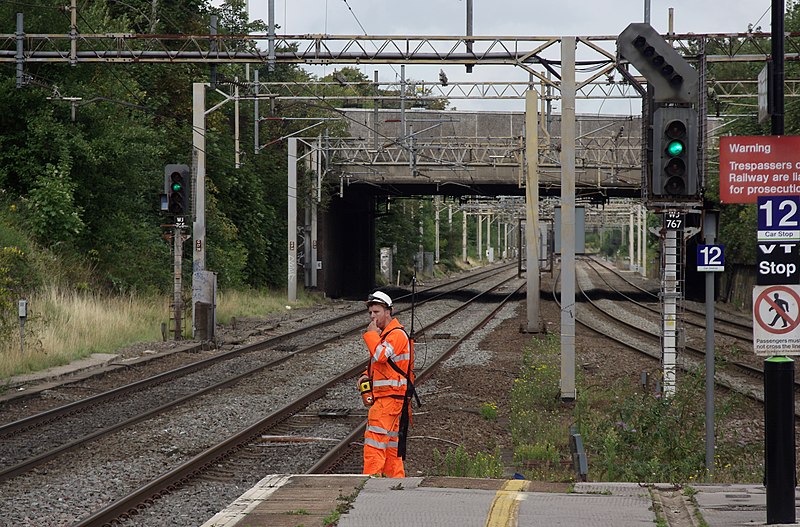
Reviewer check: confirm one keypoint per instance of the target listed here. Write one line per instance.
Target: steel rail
(333, 457)
(28, 464)
(77, 406)
(747, 327)
(748, 370)
(721, 331)
(701, 353)
(128, 506)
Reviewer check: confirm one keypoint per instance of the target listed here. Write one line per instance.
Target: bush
(646, 437)
(489, 411)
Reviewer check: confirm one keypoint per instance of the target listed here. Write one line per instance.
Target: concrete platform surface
(359, 501)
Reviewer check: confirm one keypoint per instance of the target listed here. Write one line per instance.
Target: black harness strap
(405, 417)
(410, 389)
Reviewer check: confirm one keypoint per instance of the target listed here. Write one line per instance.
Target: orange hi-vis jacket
(393, 345)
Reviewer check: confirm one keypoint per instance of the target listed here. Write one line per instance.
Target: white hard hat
(379, 297)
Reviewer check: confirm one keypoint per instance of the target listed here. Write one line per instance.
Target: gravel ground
(483, 372)
(91, 477)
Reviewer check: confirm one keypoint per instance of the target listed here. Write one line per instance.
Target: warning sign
(752, 166)
(776, 319)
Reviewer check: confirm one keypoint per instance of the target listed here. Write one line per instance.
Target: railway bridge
(422, 152)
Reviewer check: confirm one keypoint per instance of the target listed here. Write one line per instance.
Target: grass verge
(66, 325)
(630, 433)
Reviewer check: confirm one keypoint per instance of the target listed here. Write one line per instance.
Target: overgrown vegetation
(82, 156)
(630, 434)
(458, 462)
(88, 189)
(344, 505)
(65, 324)
(538, 420)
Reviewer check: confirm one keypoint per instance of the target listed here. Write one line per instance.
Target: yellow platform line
(505, 506)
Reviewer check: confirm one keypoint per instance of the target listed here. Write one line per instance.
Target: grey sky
(504, 18)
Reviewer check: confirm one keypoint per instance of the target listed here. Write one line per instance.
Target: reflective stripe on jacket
(388, 345)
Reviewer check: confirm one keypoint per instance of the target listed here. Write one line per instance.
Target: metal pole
(498, 253)
(22, 337)
(291, 231)
(532, 210)
(236, 149)
(403, 102)
(644, 238)
(480, 238)
(247, 14)
(271, 33)
(256, 115)
(323, 161)
(631, 260)
(488, 236)
(568, 219)
(671, 21)
(779, 452)
(778, 58)
(213, 49)
(779, 437)
(642, 227)
(710, 232)
(199, 187)
(436, 215)
(670, 317)
(505, 240)
(421, 248)
(469, 32)
(73, 33)
(20, 56)
(647, 11)
(464, 236)
(177, 300)
(375, 116)
(314, 202)
(307, 199)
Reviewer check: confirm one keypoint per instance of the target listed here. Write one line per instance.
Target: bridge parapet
(458, 152)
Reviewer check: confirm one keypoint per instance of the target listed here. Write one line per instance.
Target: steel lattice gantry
(475, 153)
(538, 55)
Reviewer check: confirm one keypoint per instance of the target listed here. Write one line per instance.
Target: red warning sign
(752, 166)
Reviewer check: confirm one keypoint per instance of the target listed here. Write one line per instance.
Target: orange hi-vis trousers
(380, 438)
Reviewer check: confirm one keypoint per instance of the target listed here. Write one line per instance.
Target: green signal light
(176, 187)
(674, 148)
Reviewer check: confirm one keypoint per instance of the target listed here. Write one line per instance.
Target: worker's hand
(364, 378)
(373, 326)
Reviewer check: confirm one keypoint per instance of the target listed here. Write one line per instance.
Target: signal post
(672, 172)
(175, 201)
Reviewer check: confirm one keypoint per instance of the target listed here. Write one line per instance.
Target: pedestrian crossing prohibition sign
(776, 319)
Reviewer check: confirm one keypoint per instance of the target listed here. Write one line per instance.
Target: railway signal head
(673, 79)
(675, 173)
(176, 187)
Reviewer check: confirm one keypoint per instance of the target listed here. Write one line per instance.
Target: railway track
(296, 430)
(31, 441)
(740, 377)
(343, 458)
(730, 325)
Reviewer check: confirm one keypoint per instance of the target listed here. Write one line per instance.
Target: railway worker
(390, 372)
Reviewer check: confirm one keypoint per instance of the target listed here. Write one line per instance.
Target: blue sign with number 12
(710, 258)
(778, 218)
